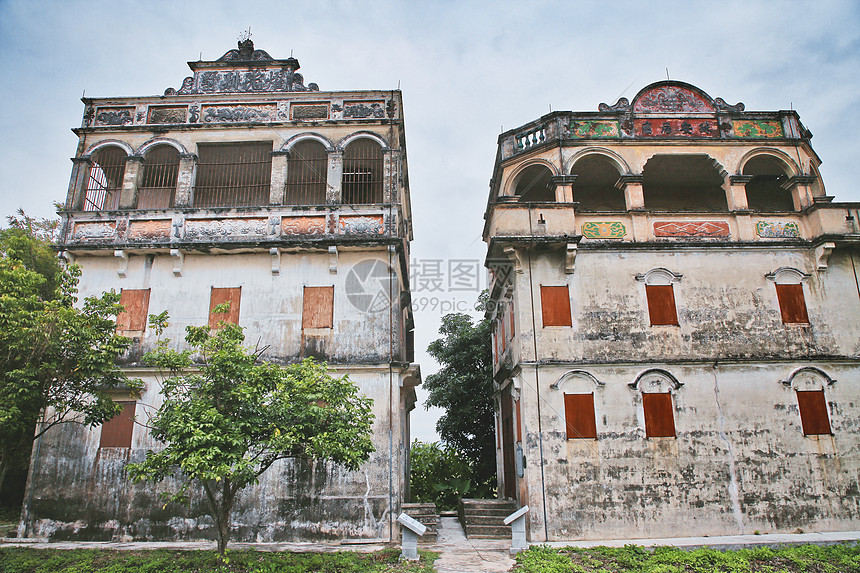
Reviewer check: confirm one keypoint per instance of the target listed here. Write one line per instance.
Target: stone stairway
(426, 515)
(484, 518)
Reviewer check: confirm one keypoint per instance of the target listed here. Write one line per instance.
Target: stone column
(78, 183)
(131, 181)
(279, 176)
(563, 187)
(737, 195)
(185, 180)
(634, 197)
(389, 175)
(334, 178)
(799, 188)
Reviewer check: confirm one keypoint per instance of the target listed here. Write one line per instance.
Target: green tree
(225, 420)
(463, 387)
(439, 474)
(56, 358)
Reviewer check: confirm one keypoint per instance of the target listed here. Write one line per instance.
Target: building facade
(677, 322)
(243, 186)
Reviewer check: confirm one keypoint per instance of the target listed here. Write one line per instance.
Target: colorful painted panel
(167, 115)
(777, 229)
(691, 229)
(692, 127)
(369, 225)
(114, 115)
(94, 231)
(237, 113)
(757, 129)
(151, 230)
(235, 228)
(594, 129)
(604, 230)
(303, 225)
(672, 99)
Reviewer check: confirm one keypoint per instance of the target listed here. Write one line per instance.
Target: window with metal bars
(158, 184)
(104, 179)
(233, 174)
(306, 174)
(362, 172)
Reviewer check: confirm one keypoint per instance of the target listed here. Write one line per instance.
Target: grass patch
(28, 560)
(844, 558)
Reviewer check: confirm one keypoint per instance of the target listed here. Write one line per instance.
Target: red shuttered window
(579, 416)
(813, 412)
(659, 415)
(555, 305)
(116, 432)
(791, 304)
(136, 305)
(232, 295)
(318, 307)
(661, 305)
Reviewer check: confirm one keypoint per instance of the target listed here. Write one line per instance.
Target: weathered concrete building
(677, 322)
(243, 185)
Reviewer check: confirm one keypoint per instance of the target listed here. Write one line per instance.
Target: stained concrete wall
(739, 462)
(79, 491)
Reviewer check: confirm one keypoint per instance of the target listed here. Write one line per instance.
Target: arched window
(104, 181)
(764, 190)
(362, 172)
(683, 183)
(532, 185)
(158, 184)
(594, 188)
(306, 174)
(656, 388)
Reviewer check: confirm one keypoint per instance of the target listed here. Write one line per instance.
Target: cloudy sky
(467, 71)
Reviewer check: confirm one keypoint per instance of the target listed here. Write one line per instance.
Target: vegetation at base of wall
(439, 474)
(844, 558)
(463, 387)
(22, 560)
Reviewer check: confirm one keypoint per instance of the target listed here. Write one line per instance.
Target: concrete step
(489, 531)
(425, 514)
(486, 519)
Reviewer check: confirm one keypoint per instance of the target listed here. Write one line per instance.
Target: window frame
(555, 306)
(317, 316)
(120, 430)
(814, 413)
(654, 405)
(126, 318)
(580, 419)
(220, 295)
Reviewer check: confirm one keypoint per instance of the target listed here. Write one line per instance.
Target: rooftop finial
(245, 35)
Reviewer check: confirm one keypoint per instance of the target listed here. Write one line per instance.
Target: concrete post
(78, 183)
(634, 197)
(563, 187)
(737, 196)
(410, 530)
(517, 521)
(131, 181)
(389, 176)
(185, 180)
(334, 180)
(799, 187)
(280, 160)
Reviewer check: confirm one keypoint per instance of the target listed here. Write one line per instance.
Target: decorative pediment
(244, 70)
(672, 97)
